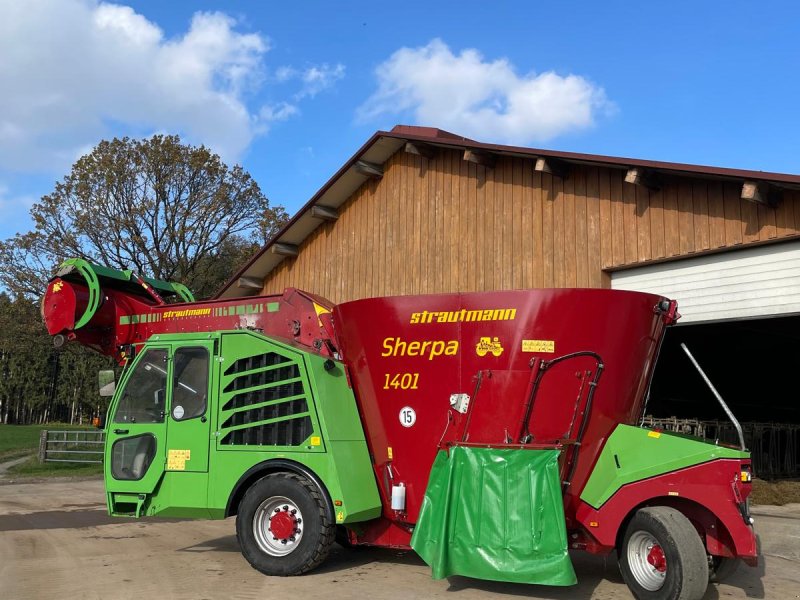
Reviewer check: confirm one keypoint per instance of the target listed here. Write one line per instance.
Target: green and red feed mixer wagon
(491, 432)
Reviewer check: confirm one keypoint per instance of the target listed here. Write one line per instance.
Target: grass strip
(33, 468)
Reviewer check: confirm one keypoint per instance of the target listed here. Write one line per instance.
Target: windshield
(142, 400)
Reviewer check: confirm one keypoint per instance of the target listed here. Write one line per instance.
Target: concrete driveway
(56, 542)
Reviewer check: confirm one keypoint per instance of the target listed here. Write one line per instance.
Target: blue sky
(292, 90)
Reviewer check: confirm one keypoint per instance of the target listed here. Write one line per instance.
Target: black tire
(680, 571)
(307, 516)
(721, 567)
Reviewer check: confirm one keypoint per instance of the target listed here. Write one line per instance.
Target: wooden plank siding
(445, 225)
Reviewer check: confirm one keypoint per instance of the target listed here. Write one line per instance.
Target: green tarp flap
(495, 514)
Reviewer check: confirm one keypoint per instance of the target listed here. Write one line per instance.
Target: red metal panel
(415, 351)
(706, 493)
(123, 318)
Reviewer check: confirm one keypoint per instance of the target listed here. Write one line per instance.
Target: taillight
(742, 487)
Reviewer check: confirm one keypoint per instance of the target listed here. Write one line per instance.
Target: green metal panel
(265, 397)
(261, 377)
(119, 431)
(334, 400)
(190, 436)
(355, 488)
(345, 440)
(495, 514)
(335, 448)
(181, 494)
(88, 272)
(97, 274)
(633, 453)
(183, 292)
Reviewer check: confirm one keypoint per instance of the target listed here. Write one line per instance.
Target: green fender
(633, 453)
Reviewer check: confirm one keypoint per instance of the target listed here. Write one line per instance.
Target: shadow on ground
(348, 564)
(67, 519)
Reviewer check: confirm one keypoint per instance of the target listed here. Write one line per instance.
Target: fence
(71, 445)
(775, 447)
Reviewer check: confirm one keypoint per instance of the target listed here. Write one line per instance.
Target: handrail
(717, 395)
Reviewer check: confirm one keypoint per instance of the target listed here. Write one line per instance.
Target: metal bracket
(459, 402)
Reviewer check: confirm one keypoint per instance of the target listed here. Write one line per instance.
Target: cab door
(188, 426)
(135, 449)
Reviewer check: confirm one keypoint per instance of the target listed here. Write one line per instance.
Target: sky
(291, 90)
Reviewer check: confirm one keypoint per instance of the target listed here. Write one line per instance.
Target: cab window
(189, 383)
(143, 398)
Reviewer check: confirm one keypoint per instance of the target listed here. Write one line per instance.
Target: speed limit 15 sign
(408, 416)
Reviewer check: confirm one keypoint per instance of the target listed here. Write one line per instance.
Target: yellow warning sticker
(176, 459)
(539, 346)
(316, 440)
(389, 452)
(320, 310)
(340, 516)
(654, 434)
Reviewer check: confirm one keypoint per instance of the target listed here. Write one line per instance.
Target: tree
(39, 383)
(23, 365)
(159, 207)
(212, 271)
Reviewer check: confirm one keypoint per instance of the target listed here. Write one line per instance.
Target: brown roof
(383, 144)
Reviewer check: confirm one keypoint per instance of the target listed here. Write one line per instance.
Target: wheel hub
(283, 523)
(646, 560)
(656, 558)
(278, 526)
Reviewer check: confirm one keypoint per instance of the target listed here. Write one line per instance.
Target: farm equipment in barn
(490, 432)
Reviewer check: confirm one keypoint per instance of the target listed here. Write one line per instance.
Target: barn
(418, 210)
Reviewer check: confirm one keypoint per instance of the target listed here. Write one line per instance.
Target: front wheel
(662, 556)
(284, 525)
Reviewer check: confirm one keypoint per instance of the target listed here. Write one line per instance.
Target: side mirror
(107, 382)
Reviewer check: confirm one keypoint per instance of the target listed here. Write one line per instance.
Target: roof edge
(307, 206)
(439, 137)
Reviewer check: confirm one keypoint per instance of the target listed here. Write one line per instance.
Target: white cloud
(313, 79)
(75, 71)
(277, 112)
(285, 73)
(317, 79)
(478, 98)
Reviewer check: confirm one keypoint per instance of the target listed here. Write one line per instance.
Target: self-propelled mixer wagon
(490, 432)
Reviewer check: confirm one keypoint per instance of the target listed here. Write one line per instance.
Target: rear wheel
(284, 525)
(721, 567)
(662, 556)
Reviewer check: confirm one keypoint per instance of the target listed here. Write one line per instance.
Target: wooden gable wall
(445, 225)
